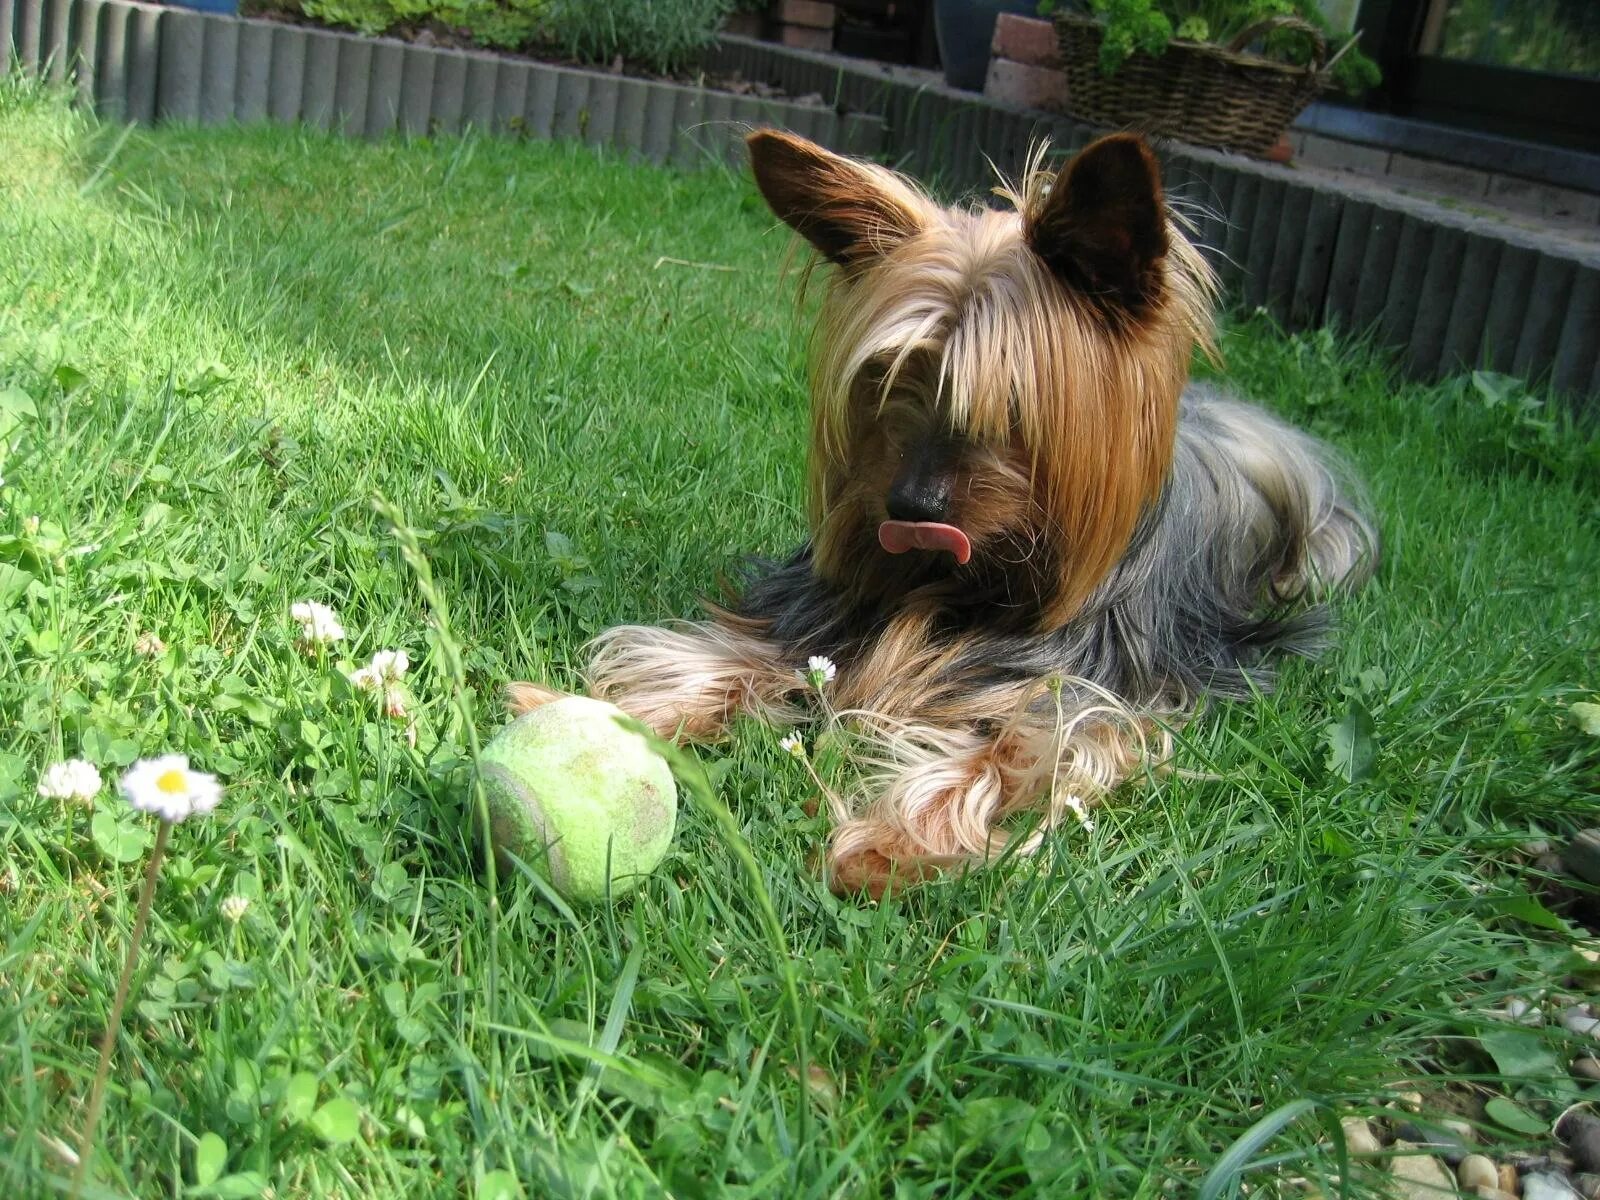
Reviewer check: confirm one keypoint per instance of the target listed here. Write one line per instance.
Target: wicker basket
(1208, 95)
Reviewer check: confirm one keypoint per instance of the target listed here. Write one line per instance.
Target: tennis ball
(579, 795)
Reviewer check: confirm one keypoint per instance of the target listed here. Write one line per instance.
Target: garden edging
(145, 63)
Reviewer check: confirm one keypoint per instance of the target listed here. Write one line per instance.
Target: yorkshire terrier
(1034, 546)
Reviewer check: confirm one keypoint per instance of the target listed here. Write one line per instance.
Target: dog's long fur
(1135, 545)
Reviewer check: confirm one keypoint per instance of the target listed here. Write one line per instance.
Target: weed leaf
(338, 1121)
(1520, 1052)
(210, 1156)
(1352, 744)
(1512, 1115)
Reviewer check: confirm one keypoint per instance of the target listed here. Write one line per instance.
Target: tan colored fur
(1020, 363)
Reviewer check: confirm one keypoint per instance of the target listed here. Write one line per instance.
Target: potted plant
(1227, 73)
(964, 30)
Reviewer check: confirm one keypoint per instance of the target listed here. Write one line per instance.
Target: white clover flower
(149, 645)
(819, 671)
(234, 908)
(75, 780)
(793, 744)
(167, 787)
(387, 667)
(30, 525)
(382, 678)
(319, 626)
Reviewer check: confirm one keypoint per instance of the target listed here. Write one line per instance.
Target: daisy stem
(97, 1094)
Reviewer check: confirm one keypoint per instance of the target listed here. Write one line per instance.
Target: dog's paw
(873, 873)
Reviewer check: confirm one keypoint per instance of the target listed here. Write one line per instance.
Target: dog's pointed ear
(1103, 227)
(852, 212)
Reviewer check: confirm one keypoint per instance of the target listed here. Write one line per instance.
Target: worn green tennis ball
(577, 793)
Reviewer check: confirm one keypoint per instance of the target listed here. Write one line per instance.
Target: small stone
(1580, 1021)
(1419, 1176)
(1508, 1178)
(1493, 1193)
(1581, 1133)
(1535, 848)
(1410, 1101)
(1539, 1186)
(1582, 856)
(1523, 1013)
(1587, 1067)
(1588, 1185)
(1359, 1138)
(1448, 1139)
(1477, 1171)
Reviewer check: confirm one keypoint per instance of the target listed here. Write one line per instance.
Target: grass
(217, 347)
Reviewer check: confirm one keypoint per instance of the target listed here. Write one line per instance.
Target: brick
(802, 37)
(1542, 200)
(1026, 40)
(743, 25)
(810, 13)
(1023, 86)
(1315, 150)
(1438, 176)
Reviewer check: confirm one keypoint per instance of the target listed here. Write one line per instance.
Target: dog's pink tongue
(899, 536)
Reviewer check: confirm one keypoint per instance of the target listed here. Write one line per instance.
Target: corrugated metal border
(141, 62)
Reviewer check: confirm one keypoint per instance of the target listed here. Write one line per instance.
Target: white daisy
(319, 626)
(75, 780)
(1080, 810)
(819, 671)
(794, 744)
(167, 787)
(234, 908)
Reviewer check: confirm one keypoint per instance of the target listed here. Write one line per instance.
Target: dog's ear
(852, 212)
(1103, 227)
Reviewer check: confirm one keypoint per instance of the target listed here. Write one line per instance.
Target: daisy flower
(74, 780)
(793, 744)
(319, 626)
(167, 787)
(234, 908)
(819, 671)
(1080, 810)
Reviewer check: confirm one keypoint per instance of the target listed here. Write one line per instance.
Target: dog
(1035, 546)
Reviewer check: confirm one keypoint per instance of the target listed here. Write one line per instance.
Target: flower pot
(964, 29)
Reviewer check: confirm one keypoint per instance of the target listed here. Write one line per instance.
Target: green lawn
(218, 347)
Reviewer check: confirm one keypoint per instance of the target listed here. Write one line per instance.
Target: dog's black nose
(919, 496)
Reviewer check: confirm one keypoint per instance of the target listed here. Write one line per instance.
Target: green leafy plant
(659, 35)
(1149, 26)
